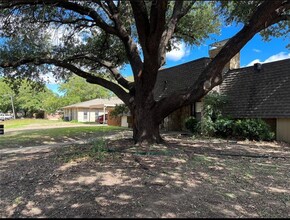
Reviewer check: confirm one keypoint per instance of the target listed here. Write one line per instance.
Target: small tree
(5, 96)
(213, 104)
(76, 89)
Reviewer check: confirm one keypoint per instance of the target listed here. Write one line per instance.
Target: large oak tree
(95, 38)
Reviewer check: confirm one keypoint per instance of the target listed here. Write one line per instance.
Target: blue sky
(256, 50)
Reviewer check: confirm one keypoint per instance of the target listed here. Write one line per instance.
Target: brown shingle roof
(178, 78)
(264, 94)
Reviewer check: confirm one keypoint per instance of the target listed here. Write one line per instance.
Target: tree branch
(119, 30)
(157, 22)
(83, 10)
(112, 6)
(262, 18)
(107, 64)
(177, 14)
(122, 94)
(141, 20)
(105, 8)
(130, 46)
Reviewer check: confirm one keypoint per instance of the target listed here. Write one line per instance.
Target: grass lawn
(22, 123)
(53, 135)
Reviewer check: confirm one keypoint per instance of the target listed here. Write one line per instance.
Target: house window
(85, 115)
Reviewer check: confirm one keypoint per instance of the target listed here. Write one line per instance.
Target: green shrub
(213, 122)
(214, 104)
(207, 126)
(252, 129)
(212, 111)
(224, 127)
(191, 124)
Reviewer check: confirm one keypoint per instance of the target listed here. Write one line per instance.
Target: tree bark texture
(145, 127)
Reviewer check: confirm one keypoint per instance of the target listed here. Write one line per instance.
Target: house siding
(92, 115)
(175, 121)
(80, 117)
(283, 129)
(94, 108)
(78, 114)
(75, 114)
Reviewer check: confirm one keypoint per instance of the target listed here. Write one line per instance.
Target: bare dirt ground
(182, 178)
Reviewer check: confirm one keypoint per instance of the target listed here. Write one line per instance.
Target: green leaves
(76, 90)
(199, 23)
(5, 94)
(241, 12)
(119, 110)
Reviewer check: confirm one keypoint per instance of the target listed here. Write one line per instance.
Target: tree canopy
(28, 98)
(94, 39)
(76, 89)
(5, 94)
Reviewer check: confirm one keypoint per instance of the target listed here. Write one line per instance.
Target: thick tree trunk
(145, 127)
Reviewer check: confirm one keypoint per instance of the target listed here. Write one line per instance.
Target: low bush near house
(214, 123)
(252, 129)
(192, 124)
(224, 127)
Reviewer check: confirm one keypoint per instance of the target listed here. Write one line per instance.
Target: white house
(89, 111)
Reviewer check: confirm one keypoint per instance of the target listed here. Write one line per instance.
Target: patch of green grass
(30, 122)
(53, 135)
(22, 123)
(96, 149)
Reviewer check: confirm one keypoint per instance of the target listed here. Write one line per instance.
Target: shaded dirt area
(182, 178)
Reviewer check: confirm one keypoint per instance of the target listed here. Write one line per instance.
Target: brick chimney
(234, 63)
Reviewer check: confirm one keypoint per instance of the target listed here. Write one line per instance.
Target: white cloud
(253, 62)
(279, 56)
(276, 57)
(178, 53)
(257, 50)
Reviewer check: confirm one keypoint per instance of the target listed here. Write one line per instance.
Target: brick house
(259, 91)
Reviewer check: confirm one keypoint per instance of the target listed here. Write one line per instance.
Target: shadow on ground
(182, 178)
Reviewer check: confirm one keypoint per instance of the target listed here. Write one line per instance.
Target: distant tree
(76, 89)
(52, 102)
(31, 100)
(5, 96)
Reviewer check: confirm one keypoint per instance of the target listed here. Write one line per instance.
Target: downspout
(104, 115)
